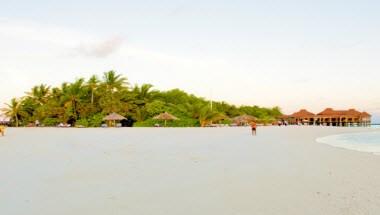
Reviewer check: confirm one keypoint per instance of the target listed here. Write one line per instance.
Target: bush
(156, 107)
(50, 122)
(81, 123)
(226, 121)
(96, 120)
(186, 122)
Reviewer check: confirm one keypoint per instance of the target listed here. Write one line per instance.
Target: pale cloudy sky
(294, 54)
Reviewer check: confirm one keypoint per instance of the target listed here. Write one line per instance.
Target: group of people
(284, 123)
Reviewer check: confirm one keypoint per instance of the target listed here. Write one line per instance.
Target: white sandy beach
(177, 171)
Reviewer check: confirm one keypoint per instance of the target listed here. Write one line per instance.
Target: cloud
(100, 49)
(32, 32)
(55, 39)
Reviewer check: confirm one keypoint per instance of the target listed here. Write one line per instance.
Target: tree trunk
(16, 117)
(203, 123)
(92, 97)
(74, 104)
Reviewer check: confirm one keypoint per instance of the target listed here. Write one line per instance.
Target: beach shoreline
(282, 170)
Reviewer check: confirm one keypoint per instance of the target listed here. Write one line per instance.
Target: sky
(288, 53)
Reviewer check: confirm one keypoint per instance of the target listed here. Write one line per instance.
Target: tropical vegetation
(86, 102)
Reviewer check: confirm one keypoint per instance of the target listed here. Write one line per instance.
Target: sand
(192, 171)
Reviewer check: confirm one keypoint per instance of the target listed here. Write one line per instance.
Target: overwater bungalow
(329, 117)
(302, 117)
(343, 117)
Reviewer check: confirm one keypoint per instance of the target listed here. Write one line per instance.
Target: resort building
(301, 117)
(329, 117)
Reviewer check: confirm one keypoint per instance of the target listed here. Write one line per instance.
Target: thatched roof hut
(244, 119)
(165, 116)
(302, 114)
(329, 116)
(113, 117)
(329, 112)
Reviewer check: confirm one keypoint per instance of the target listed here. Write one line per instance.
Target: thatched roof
(365, 114)
(328, 112)
(339, 113)
(113, 117)
(165, 116)
(303, 113)
(244, 119)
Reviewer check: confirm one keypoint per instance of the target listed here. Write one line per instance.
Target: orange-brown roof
(303, 113)
(339, 113)
(328, 112)
(365, 114)
(353, 112)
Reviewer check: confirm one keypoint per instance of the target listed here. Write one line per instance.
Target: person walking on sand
(253, 128)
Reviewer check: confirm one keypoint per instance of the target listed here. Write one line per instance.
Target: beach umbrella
(165, 116)
(113, 117)
(243, 119)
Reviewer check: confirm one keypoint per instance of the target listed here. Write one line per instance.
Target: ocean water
(364, 142)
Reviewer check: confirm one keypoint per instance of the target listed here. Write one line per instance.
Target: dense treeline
(86, 102)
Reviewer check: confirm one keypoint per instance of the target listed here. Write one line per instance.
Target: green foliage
(226, 121)
(261, 113)
(175, 123)
(50, 122)
(156, 107)
(147, 123)
(82, 123)
(96, 120)
(86, 102)
(15, 110)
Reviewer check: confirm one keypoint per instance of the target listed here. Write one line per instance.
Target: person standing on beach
(2, 130)
(253, 128)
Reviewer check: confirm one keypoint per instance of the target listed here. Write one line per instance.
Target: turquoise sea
(364, 141)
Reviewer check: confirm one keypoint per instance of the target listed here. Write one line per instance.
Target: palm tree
(56, 94)
(207, 116)
(92, 83)
(55, 106)
(73, 94)
(113, 89)
(39, 94)
(14, 110)
(113, 82)
(194, 109)
(144, 94)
